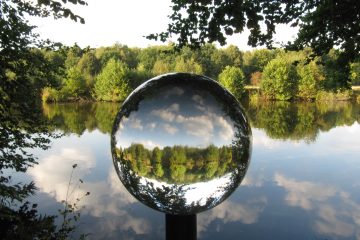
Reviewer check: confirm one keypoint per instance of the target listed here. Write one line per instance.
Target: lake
(302, 183)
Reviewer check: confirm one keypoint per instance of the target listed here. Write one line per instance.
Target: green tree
(112, 83)
(74, 84)
(279, 80)
(234, 56)
(323, 25)
(161, 67)
(355, 73)
(320, 23)
(73, 55)
(187, 65)
(89, 66)
(311, 78)
(21, 125)
(232, 78)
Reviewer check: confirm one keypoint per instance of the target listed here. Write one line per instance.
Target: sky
(178, 115)
(123, 21)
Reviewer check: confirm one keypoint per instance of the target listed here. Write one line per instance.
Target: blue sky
(177, 116)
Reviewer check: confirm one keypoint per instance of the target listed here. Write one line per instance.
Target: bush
(311, 78)
(279, 80)
(339, 95)
(232, 78)
(112, 83)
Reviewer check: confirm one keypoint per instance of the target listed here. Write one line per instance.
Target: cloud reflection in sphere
(181, 143)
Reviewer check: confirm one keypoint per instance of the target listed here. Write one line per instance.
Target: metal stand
(180, 227)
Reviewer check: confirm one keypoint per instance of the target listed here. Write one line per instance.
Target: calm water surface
(303, 181)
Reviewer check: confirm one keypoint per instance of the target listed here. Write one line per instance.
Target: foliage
(74, 84)
(182, 65)
(302, 120)
(232, 78)
(24, 71)
(255, 61)
(279, 80)
(161, 67)
(340, 95)
(311, 77)
(336, 74)
(180, 164)
(112, 83)
(355, 73)
(321, 24)
(208, 60)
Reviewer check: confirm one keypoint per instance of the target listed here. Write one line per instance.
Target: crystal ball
(181, 143)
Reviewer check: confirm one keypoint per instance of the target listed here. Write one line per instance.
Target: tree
(89, 66)
(187, 65)
(323, 25)
(232, 78)
(279, 80)
(355, 73)
(311, 78)
(161, 67)
(21, 127)
(74, 84)
(112, 83)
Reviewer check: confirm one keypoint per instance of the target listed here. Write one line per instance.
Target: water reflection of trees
(301, 121)
(179, 164)
(280, 120)
(78, 117)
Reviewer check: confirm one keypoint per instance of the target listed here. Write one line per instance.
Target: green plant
(232, 78)
(279, 80)
(339, 95)
(311, 77)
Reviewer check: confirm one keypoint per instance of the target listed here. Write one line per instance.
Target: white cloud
(170, 129)
(303, 193)
(339, 219)
(199, 126)
(330, 224)
(136, 123)
(226, 131)
(164, 114)
(228, 211)
(110, 200)
(151, 126)
(52, 175)
(177, 91)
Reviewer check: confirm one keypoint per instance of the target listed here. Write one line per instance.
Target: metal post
(180, 227)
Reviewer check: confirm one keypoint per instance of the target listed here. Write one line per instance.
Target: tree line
(111, 73)
(179, 164)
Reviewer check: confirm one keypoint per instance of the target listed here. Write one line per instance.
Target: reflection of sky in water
(292, 190)
(180, 116)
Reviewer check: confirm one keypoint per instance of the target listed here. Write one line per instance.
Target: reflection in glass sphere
(181, 143)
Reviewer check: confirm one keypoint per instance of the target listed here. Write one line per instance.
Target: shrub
(232, 78)
(112, 83)
(311, 78)
(339, 95)
(279, 80)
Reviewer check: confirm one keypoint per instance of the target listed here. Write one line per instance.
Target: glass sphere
(181, 143)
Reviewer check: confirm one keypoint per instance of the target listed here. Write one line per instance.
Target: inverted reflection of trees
(180, 164)
(280, 120)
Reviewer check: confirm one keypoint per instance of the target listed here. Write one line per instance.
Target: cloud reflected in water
(337, 213)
